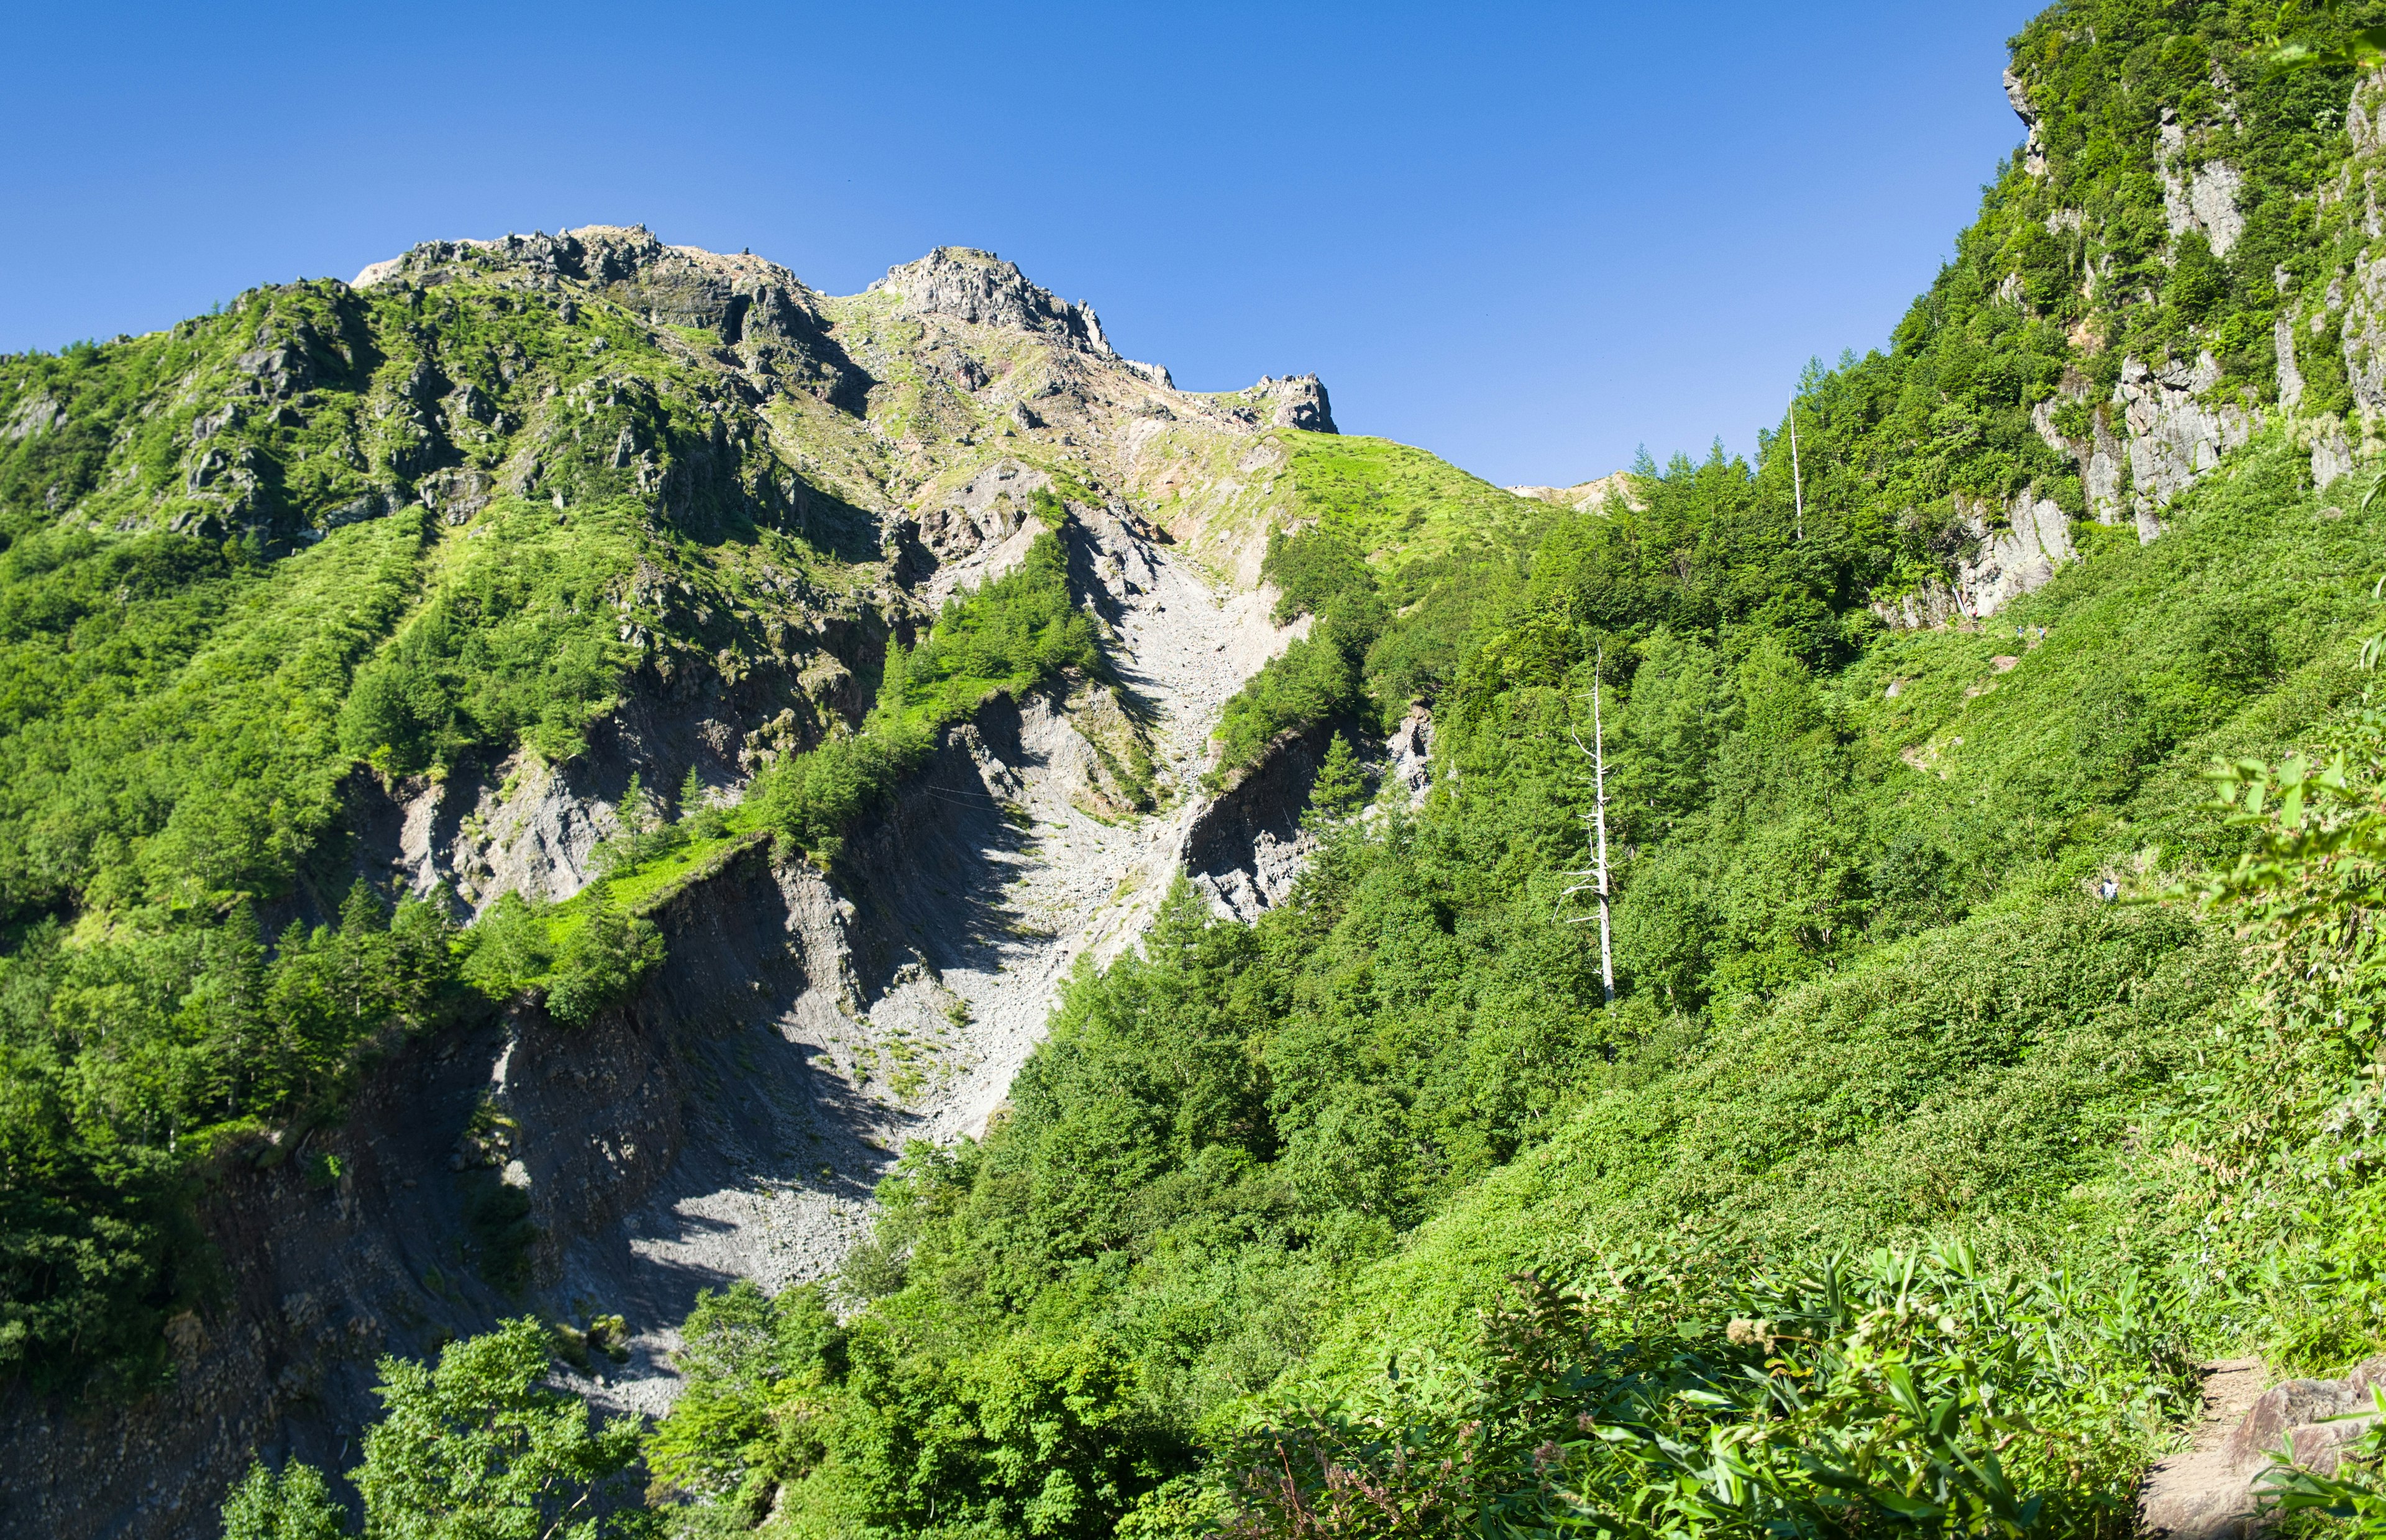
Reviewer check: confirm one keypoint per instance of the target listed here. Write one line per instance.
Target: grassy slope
(1984, 1079)
(1402, 504)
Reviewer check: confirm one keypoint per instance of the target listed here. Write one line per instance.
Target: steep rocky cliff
(2196, 230)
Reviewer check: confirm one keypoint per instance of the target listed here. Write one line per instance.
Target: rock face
(2034, 148)
(2007, 552)
(2159, 432)
(2018, 558)
(983, 290)
(755, 306)
(2177, 432)
(2214, 1491)
(2198, 195)
(2164, 424)
(1299, 403)
(1246, 848)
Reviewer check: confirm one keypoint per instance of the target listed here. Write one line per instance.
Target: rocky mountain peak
(672, 285)
(1300, 402)
(982, 289)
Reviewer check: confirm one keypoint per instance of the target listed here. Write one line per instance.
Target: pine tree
(697, 814)
(635, 813)
(1340, 788)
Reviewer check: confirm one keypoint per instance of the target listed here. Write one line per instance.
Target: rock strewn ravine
(926, 987)
(732, 1119)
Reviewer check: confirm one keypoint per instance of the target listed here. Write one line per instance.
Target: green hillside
(1995, 1032)
(1375, 1217)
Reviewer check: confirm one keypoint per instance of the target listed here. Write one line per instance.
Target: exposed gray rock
(988, 509)
(2332, 453)
(2020, 557)
(2291, 378)
(39, 414)
(1409, 756)
(2198, 196)
(2365, 336)
(2010, 552)
(1248, 847)
(983, 290)
(757, 305)
(2175, 433)
(2216, 1489)
(1925, 609)
(373, 505)
(1299, 402)
(455, 495)
(2104, 456)
(2034, 148)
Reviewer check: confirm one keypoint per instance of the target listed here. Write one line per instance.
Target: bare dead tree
(1797, 478)
(1594, 881)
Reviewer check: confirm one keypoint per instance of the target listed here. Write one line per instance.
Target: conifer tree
(1340, 788)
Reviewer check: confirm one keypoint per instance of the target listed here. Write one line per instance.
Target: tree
(1340, 788)
(477, 1449)
(600, 963)
(293, 1505)
(697, 813)
(635, 813)
(509, 949)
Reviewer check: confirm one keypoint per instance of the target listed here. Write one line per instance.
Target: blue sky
(1530, 238)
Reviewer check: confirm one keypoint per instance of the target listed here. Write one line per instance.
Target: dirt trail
(776, 1178)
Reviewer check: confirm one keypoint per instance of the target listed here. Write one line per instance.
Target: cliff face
(2180, 259)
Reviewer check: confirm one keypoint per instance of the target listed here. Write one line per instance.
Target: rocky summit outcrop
(755, 306)
(1300, 402)
(983, 290)
(1589, 496)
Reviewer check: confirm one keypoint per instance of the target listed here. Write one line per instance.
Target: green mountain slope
(583, 553)
(1376, 1216)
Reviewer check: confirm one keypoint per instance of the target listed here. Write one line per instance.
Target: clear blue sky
(1530, 238)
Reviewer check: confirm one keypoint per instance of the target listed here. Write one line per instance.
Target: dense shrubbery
(128, 1060)
(254, 563)
(1671, 1395)
(476, 1445)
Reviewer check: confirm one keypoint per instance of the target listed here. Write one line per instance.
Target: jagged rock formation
(1300, 402)
(2200, 193)
(2166, 423)
(983, 290)
(2006, 552)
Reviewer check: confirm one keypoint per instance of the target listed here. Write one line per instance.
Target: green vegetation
(1868, 1005)
(326, 545)
(1400, 505)
(474, 1447)
(1011, 636)
(1391, 1225)
(1974, 1068)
